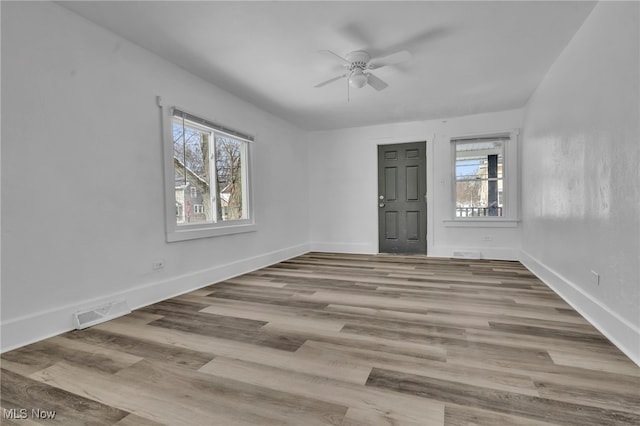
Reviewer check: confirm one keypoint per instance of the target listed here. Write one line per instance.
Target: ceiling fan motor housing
(359, 59)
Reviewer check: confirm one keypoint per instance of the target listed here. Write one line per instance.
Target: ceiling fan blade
(375, 82)
(324, 83)
(343, 60)
(394, 58)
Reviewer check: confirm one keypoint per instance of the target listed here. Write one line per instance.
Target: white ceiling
(468, 57)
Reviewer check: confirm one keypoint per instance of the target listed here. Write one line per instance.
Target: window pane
(191, 165)
(178, 153)
(230, 165)
(472, 199)
(479, 178)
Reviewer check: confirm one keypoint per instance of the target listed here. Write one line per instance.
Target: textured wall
(580, 176)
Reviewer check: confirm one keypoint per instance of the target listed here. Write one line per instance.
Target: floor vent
(467, 254)
(106, 312)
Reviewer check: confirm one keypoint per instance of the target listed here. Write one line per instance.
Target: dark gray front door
(402, 208)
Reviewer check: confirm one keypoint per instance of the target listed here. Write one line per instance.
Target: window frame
(510, 191)
(183, 232)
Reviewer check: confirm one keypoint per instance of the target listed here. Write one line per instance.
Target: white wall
(581, 174)
(82, 195)
(343, 186)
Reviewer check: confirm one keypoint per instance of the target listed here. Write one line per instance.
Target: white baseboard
(496, 253)
(37, 326)
(350, 248)
(622, 333)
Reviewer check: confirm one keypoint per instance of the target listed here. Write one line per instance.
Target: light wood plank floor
(336, 339)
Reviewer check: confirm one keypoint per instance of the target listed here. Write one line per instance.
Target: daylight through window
(479, 177)
(210, 172)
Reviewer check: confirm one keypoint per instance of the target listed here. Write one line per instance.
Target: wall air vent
(88, 317)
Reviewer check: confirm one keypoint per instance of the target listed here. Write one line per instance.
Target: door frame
(429, 149)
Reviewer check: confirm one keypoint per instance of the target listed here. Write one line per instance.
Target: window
(479, 178)
(198, 209)
(483, 188)
(208, 174)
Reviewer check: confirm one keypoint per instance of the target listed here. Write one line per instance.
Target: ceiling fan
(359, 65)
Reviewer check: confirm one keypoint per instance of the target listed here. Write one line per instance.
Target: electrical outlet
(595, 278)
(157, 265)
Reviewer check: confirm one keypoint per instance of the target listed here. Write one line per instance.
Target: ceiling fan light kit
(357, 79)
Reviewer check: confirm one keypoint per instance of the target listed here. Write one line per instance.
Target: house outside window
(485, 178)
(479, 178)
(209, 170)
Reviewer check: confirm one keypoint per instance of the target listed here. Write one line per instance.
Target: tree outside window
(209, 173)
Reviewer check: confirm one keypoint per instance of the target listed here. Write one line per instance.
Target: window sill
(481, 223)
(196, 233)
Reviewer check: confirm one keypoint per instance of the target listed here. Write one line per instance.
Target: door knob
(381, 205)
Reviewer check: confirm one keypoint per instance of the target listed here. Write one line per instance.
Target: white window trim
(510, 167)
(199, 230)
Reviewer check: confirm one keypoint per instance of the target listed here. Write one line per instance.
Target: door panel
(402, 209)
(412, 153)
(391, 182)
(413, 226)
(391, 155)
(413, 184)
(391, 224)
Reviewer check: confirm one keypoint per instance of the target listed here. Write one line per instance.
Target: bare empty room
(305, 212)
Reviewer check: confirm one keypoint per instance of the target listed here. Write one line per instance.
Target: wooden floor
(336, 339)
